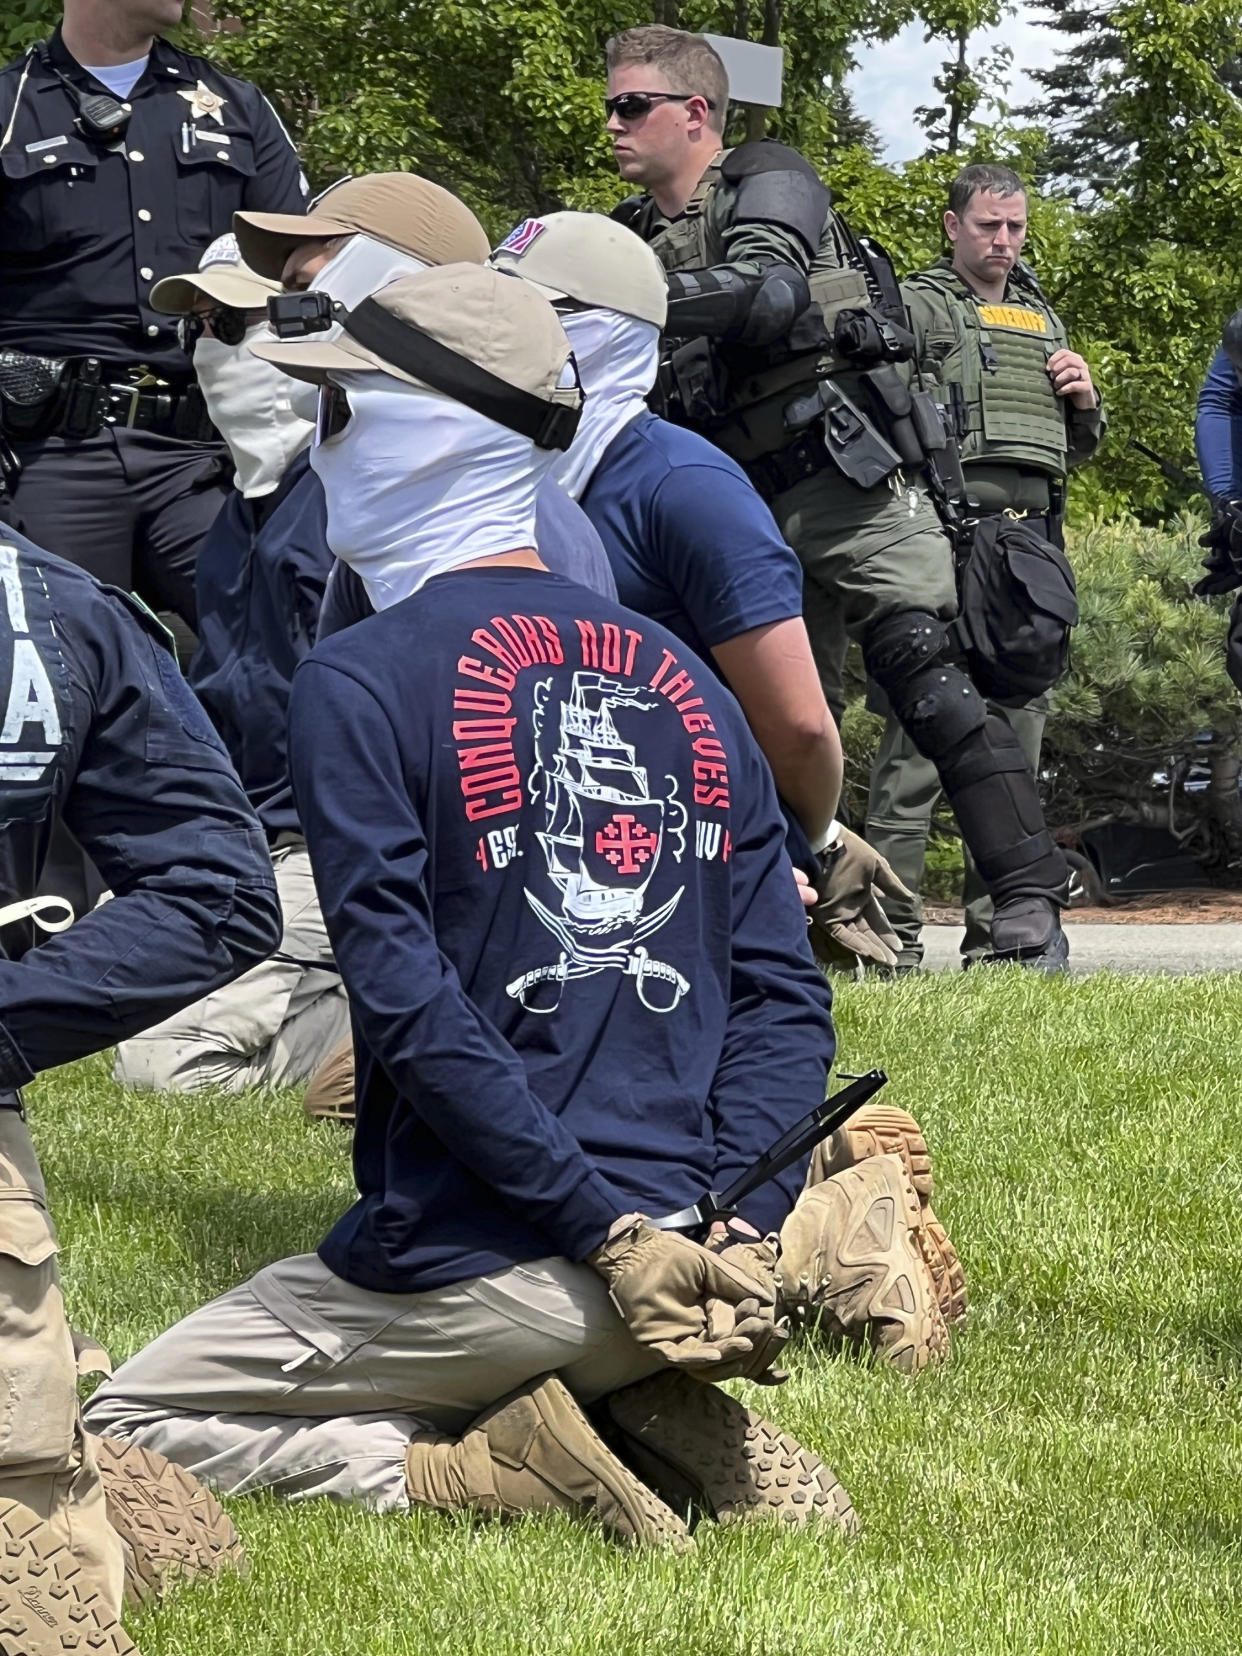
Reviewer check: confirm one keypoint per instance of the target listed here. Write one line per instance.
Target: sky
(893, 79)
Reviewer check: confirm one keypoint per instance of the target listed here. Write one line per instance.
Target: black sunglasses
(632, 106)
(228, 325)
(332, 413)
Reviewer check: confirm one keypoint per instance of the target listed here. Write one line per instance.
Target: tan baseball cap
(401, 210)
(588, 258)
(222, 275)
(504, 327)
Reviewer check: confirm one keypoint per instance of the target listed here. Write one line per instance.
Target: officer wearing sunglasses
(790, 351)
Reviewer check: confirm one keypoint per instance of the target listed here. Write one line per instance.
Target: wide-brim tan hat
(504, 327)
(590, 259)
(403, 211)
(222, 275)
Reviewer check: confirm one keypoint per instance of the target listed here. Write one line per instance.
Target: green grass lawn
(1070, 1482)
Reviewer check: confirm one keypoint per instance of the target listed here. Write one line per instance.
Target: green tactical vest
(752, 421)
(998, 354)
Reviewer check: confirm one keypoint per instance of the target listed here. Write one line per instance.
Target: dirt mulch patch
(1162, 908)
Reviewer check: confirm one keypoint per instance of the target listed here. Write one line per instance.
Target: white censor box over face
(756, 73)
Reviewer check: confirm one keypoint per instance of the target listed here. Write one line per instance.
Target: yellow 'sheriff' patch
(1013, 316)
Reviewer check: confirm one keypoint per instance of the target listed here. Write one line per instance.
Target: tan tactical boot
(877, 1130)
(45, 1607)
(851, 1262)
(330, 1095)
(171, 1526)
(698, 1447)
(535, 1451)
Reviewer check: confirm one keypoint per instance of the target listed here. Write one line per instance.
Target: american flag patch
(517, 241)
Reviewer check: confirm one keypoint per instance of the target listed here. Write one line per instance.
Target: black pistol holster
(44, 396)
(69, 397)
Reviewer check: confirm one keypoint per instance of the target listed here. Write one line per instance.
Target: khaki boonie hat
(403, 211)
(588, 258)
(222, 275)
(502, 326)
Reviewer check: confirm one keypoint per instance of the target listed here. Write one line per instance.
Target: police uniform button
(49, 160)
(146, 273)
(144, 215)
(152, 329)
(136, 155)
(223, 155)
(128, 108)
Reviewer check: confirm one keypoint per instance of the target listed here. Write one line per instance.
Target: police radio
(101, 119)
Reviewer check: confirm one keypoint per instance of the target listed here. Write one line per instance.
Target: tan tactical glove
(702, 1314)
(757, 1257)
(848, 924)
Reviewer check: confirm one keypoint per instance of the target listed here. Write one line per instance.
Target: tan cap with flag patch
(590, 259)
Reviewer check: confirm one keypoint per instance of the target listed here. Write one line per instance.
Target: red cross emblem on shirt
(626, 844)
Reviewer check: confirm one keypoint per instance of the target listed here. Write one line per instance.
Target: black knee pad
(935, 703)
(898, 647)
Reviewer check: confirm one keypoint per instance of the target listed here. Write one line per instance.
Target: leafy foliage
(1147, 688)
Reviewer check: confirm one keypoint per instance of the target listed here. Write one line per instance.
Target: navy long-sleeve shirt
(552, 869)
(98, 726)
(1218, 430)
(259, 582)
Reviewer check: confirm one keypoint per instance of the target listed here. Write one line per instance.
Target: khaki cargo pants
(45, 1461)
(305, 1384)
(271, 1027)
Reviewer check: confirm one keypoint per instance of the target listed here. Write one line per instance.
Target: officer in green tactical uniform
(1025, 412)
(788, 348)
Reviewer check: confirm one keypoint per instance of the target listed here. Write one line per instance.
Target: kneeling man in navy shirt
(552, 868)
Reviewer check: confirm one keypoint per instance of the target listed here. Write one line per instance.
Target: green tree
(1146, 691)
(966, 83)
(22, 22)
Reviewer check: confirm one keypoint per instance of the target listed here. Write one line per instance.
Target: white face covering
(417, 484)
(617, 358)
(361, 268)
(251, 404)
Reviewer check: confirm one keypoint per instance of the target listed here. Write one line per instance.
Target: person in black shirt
(121, 158)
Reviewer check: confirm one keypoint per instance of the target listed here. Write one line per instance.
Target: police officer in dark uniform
(96, 726)
(121, 157)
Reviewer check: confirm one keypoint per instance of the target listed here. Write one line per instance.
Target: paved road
(1129, 948)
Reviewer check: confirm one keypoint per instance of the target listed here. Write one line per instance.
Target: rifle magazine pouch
(32, 392)
(1017, 606)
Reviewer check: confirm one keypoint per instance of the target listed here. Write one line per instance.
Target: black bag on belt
(1016, 606)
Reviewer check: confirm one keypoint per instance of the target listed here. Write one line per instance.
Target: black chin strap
(547, 425)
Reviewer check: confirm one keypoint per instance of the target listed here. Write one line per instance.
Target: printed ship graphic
(604, 826)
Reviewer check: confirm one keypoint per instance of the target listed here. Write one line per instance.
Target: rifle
(804, 1135)
(1175, 474)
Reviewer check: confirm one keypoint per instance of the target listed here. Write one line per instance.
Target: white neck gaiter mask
(361, 268)
(418, 484)
(251, 404)
(617, 358)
